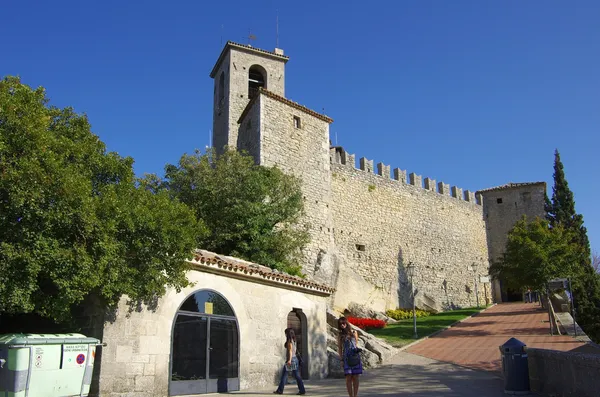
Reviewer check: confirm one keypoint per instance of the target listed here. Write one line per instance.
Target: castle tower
(251, 113)
(503, 207)
(238, 74)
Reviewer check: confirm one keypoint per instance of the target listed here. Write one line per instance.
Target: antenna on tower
(277, 30)
(250, 36)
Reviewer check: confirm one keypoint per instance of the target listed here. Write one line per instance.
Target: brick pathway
(474, 342)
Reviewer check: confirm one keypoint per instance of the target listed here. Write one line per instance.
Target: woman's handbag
(353, 358)
(299, 357)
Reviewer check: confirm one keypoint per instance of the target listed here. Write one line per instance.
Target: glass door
(205, 353)
(223, 356)
(189, 357)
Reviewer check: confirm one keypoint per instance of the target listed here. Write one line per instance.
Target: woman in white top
(291, 363)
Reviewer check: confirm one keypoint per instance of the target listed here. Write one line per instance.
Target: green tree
(586, 283)
(251, 212)
(536, 253)
(74, 222)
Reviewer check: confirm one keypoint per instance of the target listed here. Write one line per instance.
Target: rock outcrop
(374, 351)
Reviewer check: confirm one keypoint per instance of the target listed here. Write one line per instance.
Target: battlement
(339, 156)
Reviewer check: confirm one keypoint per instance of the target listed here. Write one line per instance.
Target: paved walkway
(474, 342)
(406, 375)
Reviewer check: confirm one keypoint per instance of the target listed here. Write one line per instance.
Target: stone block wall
(382, 224)
(505, 206)
(249, 131)
(236, 66)
(565, 374)
(136, 360)
(303, 152)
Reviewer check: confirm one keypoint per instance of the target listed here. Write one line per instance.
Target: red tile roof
(287, 102)
(239, 268)
(231, 44)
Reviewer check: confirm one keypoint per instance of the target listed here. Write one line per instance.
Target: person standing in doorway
(291, 363)
(349, 355)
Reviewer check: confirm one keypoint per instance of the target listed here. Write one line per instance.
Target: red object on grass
(364, 323)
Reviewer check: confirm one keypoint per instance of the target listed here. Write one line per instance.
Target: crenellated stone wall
(381, 223)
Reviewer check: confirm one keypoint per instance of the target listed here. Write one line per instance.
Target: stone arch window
(205, 346)
(257, 78)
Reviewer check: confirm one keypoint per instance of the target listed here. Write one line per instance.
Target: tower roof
(287, 102)
(511, 185)
(246, 48)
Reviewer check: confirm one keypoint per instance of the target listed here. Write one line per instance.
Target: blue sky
(472, 93)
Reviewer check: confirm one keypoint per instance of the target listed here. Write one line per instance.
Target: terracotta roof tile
(285, 101)
(233, 265)
(511, 185)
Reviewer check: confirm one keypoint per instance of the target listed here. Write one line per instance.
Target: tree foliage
(586, 282)
(536, 253)
(250, 211)
(73, 220)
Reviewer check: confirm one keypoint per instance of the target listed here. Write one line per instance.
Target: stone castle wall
(381, 224)
(366, 224)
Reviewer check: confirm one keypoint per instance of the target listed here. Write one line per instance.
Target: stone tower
(251, 113)
(503, 206)
(238, 74)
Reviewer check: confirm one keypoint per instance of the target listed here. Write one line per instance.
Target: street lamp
(476, 292)
(410, 272)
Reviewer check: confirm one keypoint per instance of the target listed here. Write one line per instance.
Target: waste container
(46, 365)
(514, 367)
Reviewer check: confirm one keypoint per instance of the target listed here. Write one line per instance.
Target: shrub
(366, 323)
(403, 314)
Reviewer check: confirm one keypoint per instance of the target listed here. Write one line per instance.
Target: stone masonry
(137, 356)
(231, 97)
(382, 224)
(503, 206)
(367, 223)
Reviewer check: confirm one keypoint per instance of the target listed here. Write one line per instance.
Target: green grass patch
(402, 332)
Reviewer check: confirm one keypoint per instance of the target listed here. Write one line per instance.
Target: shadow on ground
(408, 375)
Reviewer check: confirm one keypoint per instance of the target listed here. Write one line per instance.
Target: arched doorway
(297, 321)
(205, 348)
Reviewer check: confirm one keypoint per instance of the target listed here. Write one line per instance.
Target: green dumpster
(46, 365)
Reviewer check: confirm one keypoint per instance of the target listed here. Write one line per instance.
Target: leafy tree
(251, 212)
(73, 220)
(586, 283)
(536, 253)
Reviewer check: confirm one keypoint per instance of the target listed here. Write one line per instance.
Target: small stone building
(224, 333)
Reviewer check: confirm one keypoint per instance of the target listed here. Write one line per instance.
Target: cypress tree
(586, 283)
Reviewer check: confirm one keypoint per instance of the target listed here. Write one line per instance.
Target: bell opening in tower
(256, 80)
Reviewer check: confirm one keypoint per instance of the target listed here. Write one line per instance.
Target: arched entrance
(297, 321)
(205, 348)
